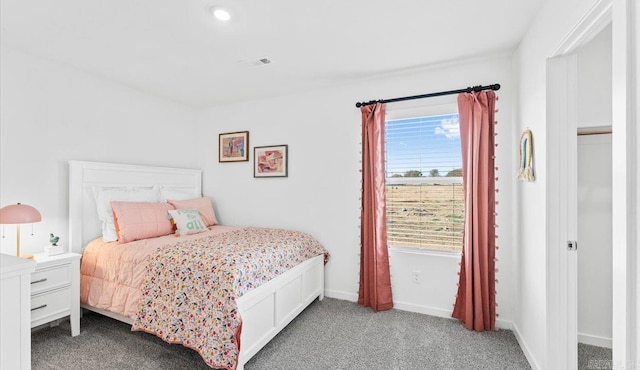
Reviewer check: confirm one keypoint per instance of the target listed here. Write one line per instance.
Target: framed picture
(270, 161)
(233, 147)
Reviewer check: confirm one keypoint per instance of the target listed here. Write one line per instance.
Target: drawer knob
(39, 307)
(39, 281)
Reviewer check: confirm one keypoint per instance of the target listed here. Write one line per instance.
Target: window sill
(424, 252)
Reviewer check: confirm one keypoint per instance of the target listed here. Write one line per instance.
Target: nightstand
(55, 290)
(15, 336)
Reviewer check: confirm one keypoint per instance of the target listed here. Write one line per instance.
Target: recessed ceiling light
(220, 14)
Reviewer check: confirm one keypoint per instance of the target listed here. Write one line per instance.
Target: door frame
(561, 205)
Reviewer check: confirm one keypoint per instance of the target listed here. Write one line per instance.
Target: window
(425, 201)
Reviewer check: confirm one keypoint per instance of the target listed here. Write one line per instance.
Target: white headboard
(84, 225)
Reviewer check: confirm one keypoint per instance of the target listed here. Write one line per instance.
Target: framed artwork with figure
(233, 147)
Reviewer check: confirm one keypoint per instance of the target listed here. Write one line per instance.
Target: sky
(423, 144)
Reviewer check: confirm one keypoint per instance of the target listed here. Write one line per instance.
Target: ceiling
(176, 49)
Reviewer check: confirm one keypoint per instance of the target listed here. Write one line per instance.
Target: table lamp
(19, 214)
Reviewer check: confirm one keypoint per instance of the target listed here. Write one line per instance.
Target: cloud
(449, 128)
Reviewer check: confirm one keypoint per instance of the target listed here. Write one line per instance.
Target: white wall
(321, 194)
(553, 23)
(594, 81)
(52, 113)
(594, 240)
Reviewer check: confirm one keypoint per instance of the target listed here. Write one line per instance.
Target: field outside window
(425, 200)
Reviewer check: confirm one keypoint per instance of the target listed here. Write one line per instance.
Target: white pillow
(187, 221)
(168, 193)
(104, 197)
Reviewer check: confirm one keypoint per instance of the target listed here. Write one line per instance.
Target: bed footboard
(265, 311)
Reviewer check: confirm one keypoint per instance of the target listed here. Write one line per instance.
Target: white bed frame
(265, 311)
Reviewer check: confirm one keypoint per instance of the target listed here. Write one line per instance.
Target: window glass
(425, 201)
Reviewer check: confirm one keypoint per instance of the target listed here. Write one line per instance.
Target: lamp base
(27, 256)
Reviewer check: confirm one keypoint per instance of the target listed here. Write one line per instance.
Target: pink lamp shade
(19, 214)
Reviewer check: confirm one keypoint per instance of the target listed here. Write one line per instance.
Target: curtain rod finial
(370, 102)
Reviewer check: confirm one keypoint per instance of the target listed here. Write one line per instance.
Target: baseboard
(525, 349)
(595, 340)
(431, 311)
(353, 297)
(504, 324)
(50, 324)
(439, 312)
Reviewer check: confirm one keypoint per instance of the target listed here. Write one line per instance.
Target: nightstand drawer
(55, 290)
(50, 306)
(50, 278)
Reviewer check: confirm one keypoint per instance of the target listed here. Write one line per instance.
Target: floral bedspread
(190, 289)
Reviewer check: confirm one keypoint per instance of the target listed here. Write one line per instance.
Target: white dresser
(55, 290)
(15, 315)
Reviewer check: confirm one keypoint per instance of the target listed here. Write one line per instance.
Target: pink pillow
(201, 204)
(141, 220)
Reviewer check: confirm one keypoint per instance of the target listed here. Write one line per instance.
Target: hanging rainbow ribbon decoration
(525, 173)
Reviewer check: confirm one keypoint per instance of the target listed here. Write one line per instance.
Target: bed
(265, 310)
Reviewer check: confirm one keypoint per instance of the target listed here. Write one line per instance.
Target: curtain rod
(430, 95)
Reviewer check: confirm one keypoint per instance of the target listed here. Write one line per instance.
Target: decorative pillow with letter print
(187, 221)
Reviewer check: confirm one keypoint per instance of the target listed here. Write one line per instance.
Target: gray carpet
(592, 357)
(332, 334)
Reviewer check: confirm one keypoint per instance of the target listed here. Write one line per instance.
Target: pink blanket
(189, 289)
(111, 273)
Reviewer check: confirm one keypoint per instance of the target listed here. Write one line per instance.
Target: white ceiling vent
(255, 62)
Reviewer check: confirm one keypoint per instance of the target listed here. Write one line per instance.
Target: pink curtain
(375, 279)
(475, 302)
